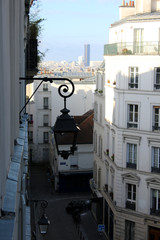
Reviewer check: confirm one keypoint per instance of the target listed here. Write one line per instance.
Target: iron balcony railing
(133, 48)
(155, 212)
(130, 205)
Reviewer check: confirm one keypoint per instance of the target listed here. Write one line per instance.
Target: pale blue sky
(70, 24)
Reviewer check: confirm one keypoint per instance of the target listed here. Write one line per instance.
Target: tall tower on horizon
(87, 54)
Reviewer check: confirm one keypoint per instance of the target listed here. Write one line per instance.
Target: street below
(62, 226)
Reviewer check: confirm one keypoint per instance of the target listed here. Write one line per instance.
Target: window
(30, 120)
(45, 137)
(108, 221)
(100, 117)
(45, 120)
(157, 78)
(95, 142)
(138, 40)
(45, 102)
(156, 118)
(131, 196)
(131, 155)
(132, 116)
(133, 77)
(100, 147)
(155, 202)
(129, 230)
(30, 136)
(45, 87)
(111, 187)
(96, 111)
(45, 154)
(155, 159)
(99, 178)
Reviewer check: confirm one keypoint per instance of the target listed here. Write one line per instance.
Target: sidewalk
(62, 226)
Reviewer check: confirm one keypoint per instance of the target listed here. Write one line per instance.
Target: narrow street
(62, 226)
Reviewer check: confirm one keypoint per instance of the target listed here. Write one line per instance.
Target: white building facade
(127, 174)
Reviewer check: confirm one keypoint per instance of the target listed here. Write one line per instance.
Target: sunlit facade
(126, 171)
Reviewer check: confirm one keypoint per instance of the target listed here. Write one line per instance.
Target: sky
(69, 24)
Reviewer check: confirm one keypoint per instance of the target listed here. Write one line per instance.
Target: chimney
(123, 3)
(130, 3)
(126, 4)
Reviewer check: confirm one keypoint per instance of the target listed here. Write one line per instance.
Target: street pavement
(62, 226)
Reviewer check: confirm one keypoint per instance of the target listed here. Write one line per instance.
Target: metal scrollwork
(64, 88)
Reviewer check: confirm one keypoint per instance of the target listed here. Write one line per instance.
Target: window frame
(157, 77)
(132, 114)
(135, 72)
(45, 117)
(130, 201)
(45, 137)
(130, 234)
(156, 124)
(155, 163)
(45, 87)
(131, 162)
(155, 210)
(45, 100)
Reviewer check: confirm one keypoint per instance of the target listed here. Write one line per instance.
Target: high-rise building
(86, 54)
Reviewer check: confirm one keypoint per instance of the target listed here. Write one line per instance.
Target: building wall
(13, 140)
(112, 175)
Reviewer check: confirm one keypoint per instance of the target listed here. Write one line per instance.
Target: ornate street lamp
(43, 222)
(65, 129)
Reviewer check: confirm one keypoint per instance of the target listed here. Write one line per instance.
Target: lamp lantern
(65, 128)
(43, 222)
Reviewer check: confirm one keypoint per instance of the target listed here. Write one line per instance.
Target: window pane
(131, 117)
(129, 191)
(136, 117)
(136, 108)
(131, 108)
(134, 192)
(154, 195)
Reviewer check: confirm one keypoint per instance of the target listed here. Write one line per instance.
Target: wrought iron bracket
(62, 90)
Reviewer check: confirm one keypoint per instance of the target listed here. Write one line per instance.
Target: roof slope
(85, 135)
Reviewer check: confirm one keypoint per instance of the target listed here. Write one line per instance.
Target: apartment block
(126, 136)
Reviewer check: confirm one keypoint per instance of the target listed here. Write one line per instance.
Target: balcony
(132, 125)
(155, 169)
(125, 48)
(130, 205)
(157, 86)
(133, 85)
(155, 128)
(131, 165)
(155, 212)
(45, 107)
(45, 124)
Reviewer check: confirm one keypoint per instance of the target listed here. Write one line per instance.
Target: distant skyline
(69, 24)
